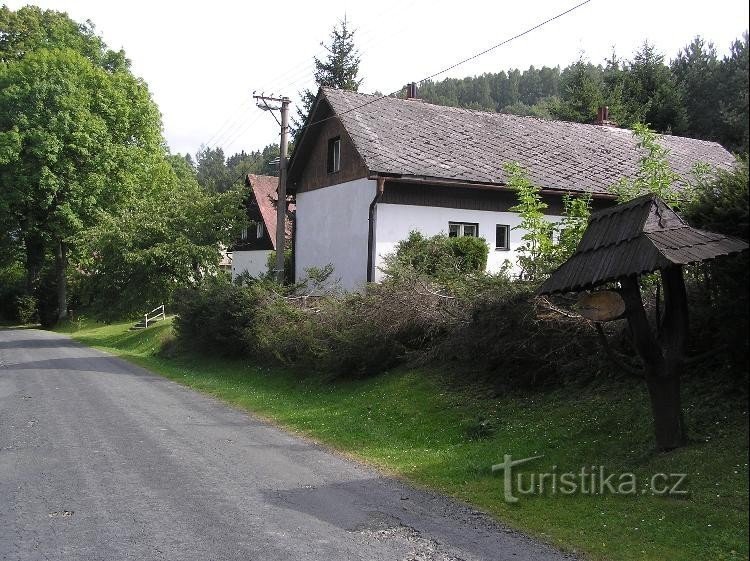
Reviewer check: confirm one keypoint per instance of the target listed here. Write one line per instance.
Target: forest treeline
(696, 94)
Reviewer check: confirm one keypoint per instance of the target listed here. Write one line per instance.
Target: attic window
(334, 155)
(255, 227)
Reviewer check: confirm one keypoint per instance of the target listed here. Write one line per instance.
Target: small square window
(334, 155)
(502, 237)
(460, 229)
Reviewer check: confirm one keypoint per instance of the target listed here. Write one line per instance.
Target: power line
(459, 63)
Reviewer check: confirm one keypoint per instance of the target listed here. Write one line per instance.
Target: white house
(369, 169)
(251, 252)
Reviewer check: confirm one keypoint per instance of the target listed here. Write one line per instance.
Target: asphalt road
(100, 459)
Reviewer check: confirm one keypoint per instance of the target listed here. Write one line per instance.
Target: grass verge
(425, 425)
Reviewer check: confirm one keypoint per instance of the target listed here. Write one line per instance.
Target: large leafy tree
(340, 68)
(30, 28)
(72, 132)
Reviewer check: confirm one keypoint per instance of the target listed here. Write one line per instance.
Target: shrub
(439, 257)
(26, 309)
(719, 288)
(12, 289)
(288, 265)
(215, 316)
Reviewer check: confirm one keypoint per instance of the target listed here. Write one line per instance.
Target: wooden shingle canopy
(634, 238)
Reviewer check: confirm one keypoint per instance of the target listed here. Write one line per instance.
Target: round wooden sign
(604, 305)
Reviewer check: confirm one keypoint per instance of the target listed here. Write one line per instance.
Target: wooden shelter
(641, 236)
(620, 244)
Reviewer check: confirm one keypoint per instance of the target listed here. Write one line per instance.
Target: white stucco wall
(332, 227)
(254, 262)
(394, 222)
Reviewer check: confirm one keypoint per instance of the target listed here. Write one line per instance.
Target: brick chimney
(411, 91)
(602, 117)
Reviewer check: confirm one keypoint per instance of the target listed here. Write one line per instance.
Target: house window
(502, 237)
(334, 155)
(255, 227)
(459, 229)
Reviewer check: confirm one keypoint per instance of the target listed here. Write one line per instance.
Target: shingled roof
(411, 137)
(638, 237)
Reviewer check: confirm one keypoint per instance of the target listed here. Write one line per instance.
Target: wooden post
(281, 203)
(663, 359)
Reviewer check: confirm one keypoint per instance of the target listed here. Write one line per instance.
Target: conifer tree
(340, 69)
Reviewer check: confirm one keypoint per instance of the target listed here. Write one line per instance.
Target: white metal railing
(154, 314)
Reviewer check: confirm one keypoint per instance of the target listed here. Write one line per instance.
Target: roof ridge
(534, 118)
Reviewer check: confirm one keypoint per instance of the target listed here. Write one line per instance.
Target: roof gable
(265, 193)
(410, 137)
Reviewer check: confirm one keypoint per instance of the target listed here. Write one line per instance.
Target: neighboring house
(250, 253)
(367, 170)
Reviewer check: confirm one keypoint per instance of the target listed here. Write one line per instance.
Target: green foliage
(217, 174)
(546, 244)
(11, 289)
(139, 254)
(582, 92)
(288, 270)
(721, 205)
(339, 70)
(27, 309)
(212, 172)
(31, 28)
(696, 94)
(733, 100)
(721, 202)
(439, 257)
(697, 73)
(654, 174)
(650, 93)
(536, 253)
(75, 122)
(217, 316)
(576, 212)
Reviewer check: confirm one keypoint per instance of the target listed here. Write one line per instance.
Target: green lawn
(415, 423)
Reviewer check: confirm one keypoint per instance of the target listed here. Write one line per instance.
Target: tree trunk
(61, 265)
(663, 359)
(666, 408)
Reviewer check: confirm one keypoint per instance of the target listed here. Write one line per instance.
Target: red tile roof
(265, 190)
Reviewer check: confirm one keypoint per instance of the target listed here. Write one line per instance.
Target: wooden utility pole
(281, 202)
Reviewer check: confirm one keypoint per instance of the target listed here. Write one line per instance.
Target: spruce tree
(339, 69)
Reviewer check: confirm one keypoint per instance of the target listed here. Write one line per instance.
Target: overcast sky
(203, 60)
